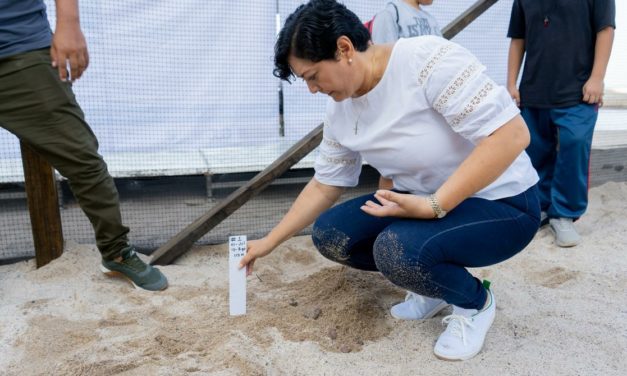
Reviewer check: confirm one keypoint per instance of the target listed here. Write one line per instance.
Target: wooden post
(43, 205)
(186, 238)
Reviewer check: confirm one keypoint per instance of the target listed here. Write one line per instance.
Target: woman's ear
(344, 48)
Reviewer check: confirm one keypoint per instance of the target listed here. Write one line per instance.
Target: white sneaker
(466, 331)
(417, 307)
(565, 233)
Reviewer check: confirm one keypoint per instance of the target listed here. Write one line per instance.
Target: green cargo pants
(42, 111)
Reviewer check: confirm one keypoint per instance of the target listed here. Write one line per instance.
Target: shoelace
(133, 261)
(458, 325)
(414, 299)
(410, 296)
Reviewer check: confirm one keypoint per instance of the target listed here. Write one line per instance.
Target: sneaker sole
(429, 314)
(459, 359)
(115, 274)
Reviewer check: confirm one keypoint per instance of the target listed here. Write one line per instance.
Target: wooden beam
(186, 238)
(466, 18)
(43, 206)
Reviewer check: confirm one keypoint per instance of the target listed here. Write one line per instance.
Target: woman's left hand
(404, 205)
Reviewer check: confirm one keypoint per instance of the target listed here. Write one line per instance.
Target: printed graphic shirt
(389, 26)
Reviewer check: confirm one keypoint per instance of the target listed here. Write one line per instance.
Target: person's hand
(69, 45)
(515, 94)
(393, 204)
(593, 91)
(255, 249)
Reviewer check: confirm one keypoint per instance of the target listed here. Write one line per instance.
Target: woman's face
(334, 78)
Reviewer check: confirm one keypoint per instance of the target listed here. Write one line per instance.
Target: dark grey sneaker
(140, 274)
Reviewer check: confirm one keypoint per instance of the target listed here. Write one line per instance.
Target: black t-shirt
(560, 37)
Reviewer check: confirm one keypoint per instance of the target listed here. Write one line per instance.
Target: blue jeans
(429, 257)
(561, 139)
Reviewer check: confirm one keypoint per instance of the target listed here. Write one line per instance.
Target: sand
(559, 312)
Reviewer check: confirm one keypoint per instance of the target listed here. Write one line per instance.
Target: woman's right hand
(255, 249)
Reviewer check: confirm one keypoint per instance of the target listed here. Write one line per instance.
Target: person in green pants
(38, 106)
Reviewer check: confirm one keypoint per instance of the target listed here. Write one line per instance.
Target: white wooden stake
(237, 277)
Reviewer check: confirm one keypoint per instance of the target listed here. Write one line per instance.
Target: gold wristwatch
(435, 205)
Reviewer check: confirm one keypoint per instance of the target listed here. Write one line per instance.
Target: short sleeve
(516, 22)
(456, 86)
(385, 27)
(436, 29)
(604, 14)
(335, 164)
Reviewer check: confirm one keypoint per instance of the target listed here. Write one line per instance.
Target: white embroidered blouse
(420, 122)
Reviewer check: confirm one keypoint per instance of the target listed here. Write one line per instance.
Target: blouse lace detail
(455, 86)
(433, 61)
(331, 143)
(340, 161)
(473, 104)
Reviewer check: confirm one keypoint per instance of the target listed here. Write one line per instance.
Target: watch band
(435, 205)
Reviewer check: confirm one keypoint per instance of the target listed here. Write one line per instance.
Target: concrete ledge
(248, 159)
(615, 98)
(11, 171)
(125, 165)
(608, 165)
(611, 133)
